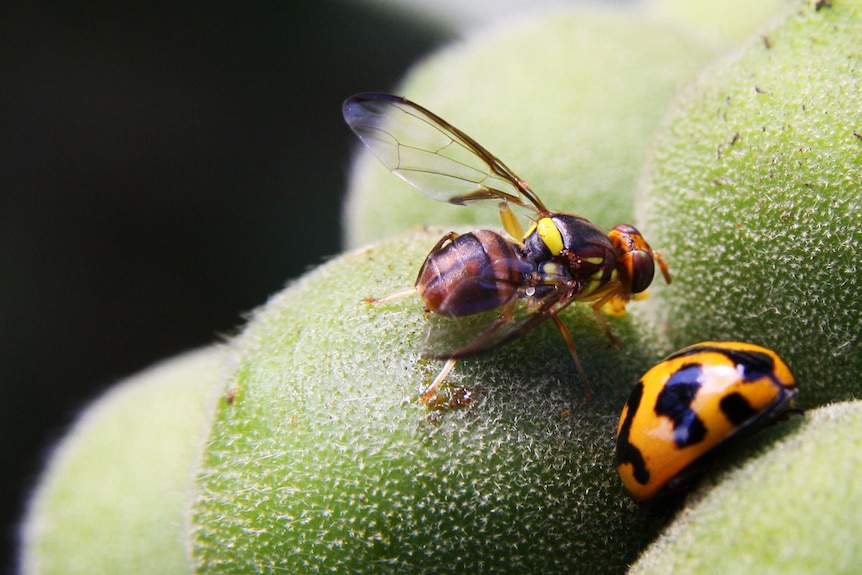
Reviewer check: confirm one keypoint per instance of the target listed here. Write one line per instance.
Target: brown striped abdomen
(472, 273)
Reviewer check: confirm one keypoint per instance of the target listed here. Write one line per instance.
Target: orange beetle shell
(691, 402)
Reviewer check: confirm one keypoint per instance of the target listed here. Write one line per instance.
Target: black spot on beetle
(674, 402)
(755, 363)
(626, 452)
(736, 408)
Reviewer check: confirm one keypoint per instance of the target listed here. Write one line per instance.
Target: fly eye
(640, 268)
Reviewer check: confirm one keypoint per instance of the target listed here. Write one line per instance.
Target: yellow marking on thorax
(591, 287)
(553, 240)
(595, 285)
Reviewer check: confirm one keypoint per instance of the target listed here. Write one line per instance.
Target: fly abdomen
(471, 273)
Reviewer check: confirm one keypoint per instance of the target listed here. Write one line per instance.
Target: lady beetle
(693, 401)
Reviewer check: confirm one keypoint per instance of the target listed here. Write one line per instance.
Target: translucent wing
(476, 334)
(431, 155)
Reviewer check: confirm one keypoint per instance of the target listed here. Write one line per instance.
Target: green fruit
(114, 497)
(753, 194)
(318, 456)
(325, 460)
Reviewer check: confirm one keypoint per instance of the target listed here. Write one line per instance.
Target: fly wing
(431, 155)
(472, 335)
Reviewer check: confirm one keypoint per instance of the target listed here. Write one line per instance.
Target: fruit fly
(497, 288)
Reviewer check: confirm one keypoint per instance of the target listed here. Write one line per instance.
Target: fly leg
(414, 289)
(391, 296)
(662, 265)
(444, 373)
(570, 343)
(504, 317)
(609, 293)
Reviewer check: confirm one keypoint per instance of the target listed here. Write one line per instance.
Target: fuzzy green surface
(569, 101)
(326, 461)
(774, 514)
(725, 22)
(754, 196)
(114, 497)
(320, 458)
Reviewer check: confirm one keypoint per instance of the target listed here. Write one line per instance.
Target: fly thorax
(535, 248)
(554, 271)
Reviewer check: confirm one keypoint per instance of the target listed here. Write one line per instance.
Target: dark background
(163, 169)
